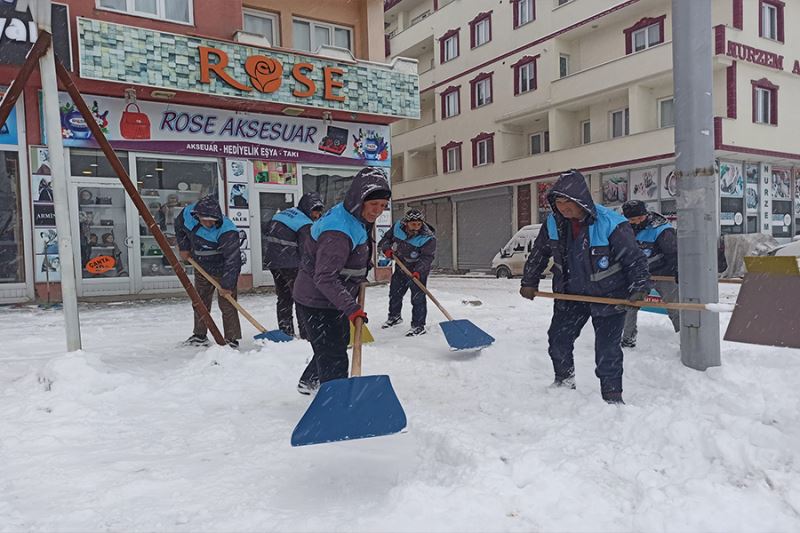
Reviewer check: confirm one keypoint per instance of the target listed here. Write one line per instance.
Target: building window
(451, 155)
(523, 12)
(563, 65)
(311, 35)
(666, 112)
(481, 30)
(481, 88)
(170, 10)
(262, 24)
(448, 46)
(620, 122)
(562, 2)
(586, 132)
(451, 102)
(540, 142)
(644, 34)
(770, 19)
(525, 75)
(765, 102)
(483, 149)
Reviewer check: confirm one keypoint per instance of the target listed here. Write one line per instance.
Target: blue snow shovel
(275, 335)
(358, 407)
(460, 334)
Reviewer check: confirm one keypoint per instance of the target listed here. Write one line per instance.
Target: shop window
(311, 35)
(103, 229)
(525, 75)
(93, 163)
(481, 29)
(331, 183)
(524, 12)
(586, 132)
(563, 65)
(448, 46)
(765, 102)
(540, 142)
(451, 155)
(451, 102)
(481, 89)
(620, 123)
(263, 24)
(483, 149)
(181, 11)
(644, 34)
(770, 24)
(12, 254)
(666, 112)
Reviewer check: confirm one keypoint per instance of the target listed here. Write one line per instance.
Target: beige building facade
(513, 93)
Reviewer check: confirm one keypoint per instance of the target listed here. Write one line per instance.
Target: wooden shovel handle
(228, 297)
(737, 281)
(358, 326)
(422, 287)
(619, 301)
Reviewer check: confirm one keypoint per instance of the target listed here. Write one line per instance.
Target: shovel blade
(351, 408)
(464, 335)
(275, 335)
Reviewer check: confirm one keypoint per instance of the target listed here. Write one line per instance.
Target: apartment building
(513, 93)
(254, 101)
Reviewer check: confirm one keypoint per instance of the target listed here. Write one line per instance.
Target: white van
(510, 260)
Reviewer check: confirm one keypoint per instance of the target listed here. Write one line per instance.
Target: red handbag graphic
(134, 125)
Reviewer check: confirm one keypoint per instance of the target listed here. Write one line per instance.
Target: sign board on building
(18, 32)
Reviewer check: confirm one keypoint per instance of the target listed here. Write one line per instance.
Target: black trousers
(568, 321)
(284, 283)
(230, 316)
(419, 302)
(328, 331)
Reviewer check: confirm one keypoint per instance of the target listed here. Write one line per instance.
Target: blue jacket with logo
(284, 236)
(659, 243)
(603, 259)
(416, 252)
(215, 249)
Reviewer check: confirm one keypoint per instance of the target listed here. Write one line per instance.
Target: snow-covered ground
(136, 434)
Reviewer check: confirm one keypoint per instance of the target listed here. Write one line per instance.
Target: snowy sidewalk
(137, 434)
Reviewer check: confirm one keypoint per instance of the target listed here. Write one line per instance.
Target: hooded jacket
(336, 259)
(603, 259)
(416, 252)
(658, 241)
(285, 234)
(215, 249)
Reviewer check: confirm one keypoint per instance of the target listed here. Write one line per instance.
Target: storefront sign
(18, 32)
(754, 55)
(751, 196)
(218, 68)
(156, 127)
(766, 200)
(731, 180)
(644, 184)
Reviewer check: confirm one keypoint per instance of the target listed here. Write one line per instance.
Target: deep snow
(134, 433)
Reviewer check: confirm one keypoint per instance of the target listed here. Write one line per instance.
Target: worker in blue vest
(658, 241)
(594, 253)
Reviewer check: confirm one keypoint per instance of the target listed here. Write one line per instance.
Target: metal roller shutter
(484, 226)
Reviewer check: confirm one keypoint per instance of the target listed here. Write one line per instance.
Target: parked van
(510, 260)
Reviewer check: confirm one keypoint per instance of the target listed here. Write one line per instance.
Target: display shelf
(102, 227)
(152, 257)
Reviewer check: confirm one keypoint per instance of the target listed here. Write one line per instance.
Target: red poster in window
(100, 264)
(542, 190)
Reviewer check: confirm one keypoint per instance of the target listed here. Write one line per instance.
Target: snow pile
(134, 433)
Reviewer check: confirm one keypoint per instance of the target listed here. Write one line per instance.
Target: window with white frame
(483, 92)
(453, 159)
(769, 21)
(482, 32)
(526, 75)
(763, 105)
(540, 142)
(450, 48)
(452, 105)
(586, 132)
(620, 121)
(666, 112)
(482, 152)
(563, 65)
(524, 12)
(170, 10)
(310, 35)
(646, 37)
(262, 24)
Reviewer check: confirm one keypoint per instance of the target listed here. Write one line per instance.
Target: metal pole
(698, 218)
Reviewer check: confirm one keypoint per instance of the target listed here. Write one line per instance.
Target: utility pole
(698, 218)
(41, 10)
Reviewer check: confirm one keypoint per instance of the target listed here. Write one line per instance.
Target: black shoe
(308, 387)
(233, 343)
(564, 383)
(197, 340)
(613, 398)
(416, 330)
(392, 321)
(628, 343)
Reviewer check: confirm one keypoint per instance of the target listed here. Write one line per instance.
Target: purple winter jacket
(336, 259)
